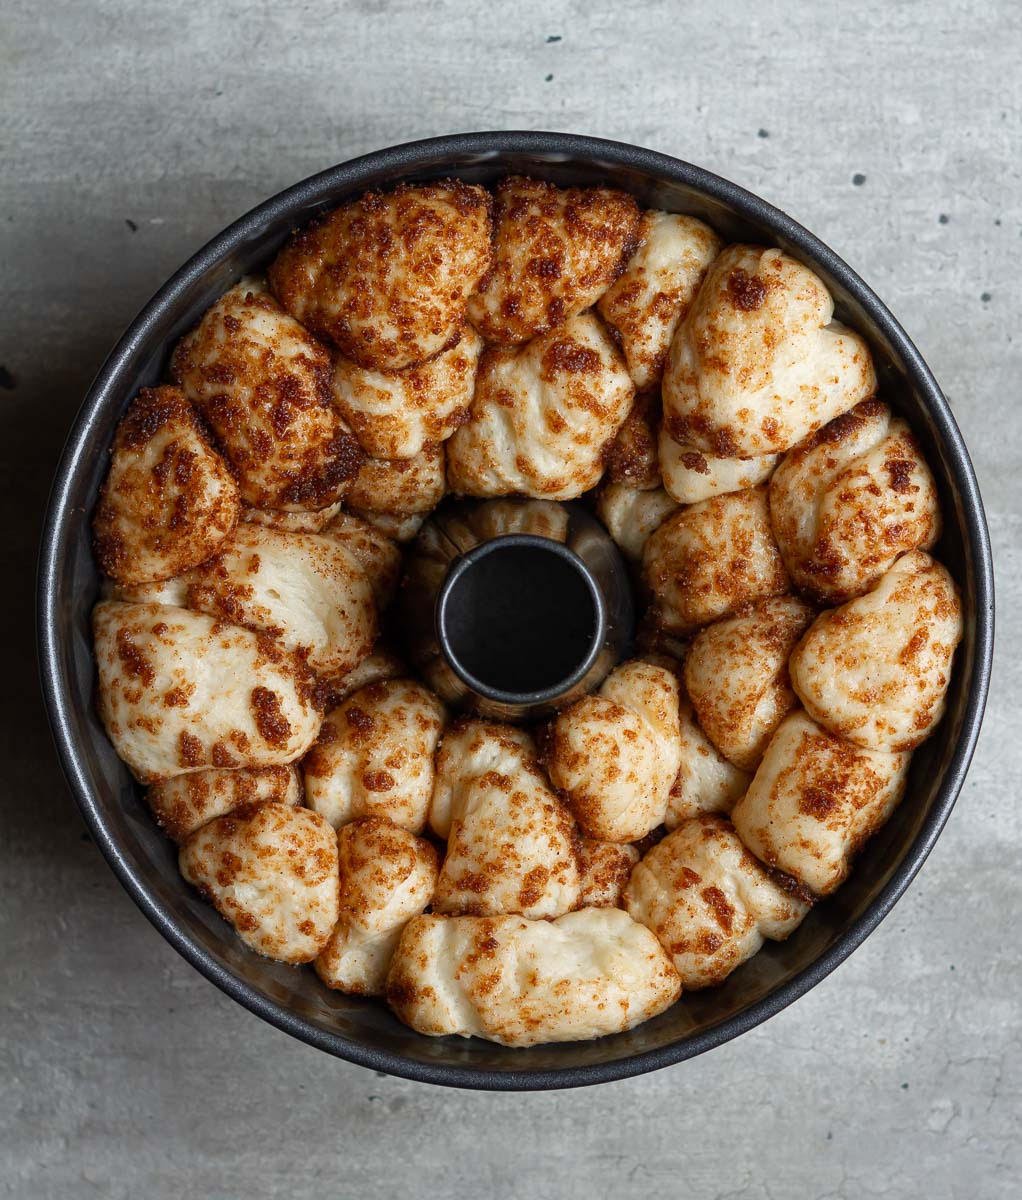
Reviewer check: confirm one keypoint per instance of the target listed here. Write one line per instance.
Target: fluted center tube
(520, 619)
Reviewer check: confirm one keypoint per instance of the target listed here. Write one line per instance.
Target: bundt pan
(364, 1031)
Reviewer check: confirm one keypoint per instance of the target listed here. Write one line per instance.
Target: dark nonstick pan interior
(365, 1031)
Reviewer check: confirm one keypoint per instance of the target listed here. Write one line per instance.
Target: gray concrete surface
(130, 133)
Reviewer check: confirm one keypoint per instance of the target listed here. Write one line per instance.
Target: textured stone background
(129, 134)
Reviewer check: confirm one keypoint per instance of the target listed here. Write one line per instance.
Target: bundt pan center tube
(363, 1031)
(522, 623)
(520, 619)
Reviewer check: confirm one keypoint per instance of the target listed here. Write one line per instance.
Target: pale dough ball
(649, 299)
(399, 526)
(185, 803)
(472, 750)
(544, 415)
(271, 871)
(758, 363)
(707, 560)
(815, 800)
(736, 675)
(394, 414)
(399, 487)
(631, 516)
(374, 756)
(511, 842)
(382, 664)
(706, 781)
(304, 589)
(555, 251)
(180, 691)
(691, 475)
(710, 903)
(386, 278)
(387, 877)
(262, 383)
(173, 591)
(168, 500)
(524, 983)
(615, 754)
(847, 502)
(876, 670)
(377, 555)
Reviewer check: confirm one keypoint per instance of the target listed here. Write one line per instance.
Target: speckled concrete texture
(130, 133)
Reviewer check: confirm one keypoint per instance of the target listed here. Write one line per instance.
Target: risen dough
(543, 416)
(691, 475)
(815, 799)
(758, 363)
(709, 559)
(521, 983)
(380, 665)
(168, 500)
(180, 691)
(709, 901)
(395, 413)
(172, 591)
(736, 674)
(653, 293)
(271, 870)
(374, 755)
(399, 487)
(876, 670)
(849, 500)
(263, 385)
(511, 842)
(706, 781)
(387, 877)
(470, 751)
(631, 515)
(377, 555)
(555, 251)
(299, 521)
(386, 278)
(303, 588)
(615, 754)
(185, 803)
(399, 526)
